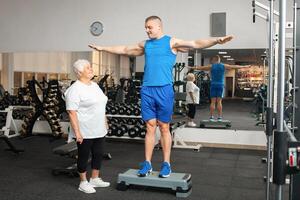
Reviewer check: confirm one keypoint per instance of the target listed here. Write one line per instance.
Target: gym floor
(217, 174)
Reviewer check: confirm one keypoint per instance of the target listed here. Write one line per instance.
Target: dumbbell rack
(125, 136)
(49, 109)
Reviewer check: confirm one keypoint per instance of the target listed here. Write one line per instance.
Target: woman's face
(87, 72)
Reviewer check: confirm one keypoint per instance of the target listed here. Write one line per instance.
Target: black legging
(94, 146)
(192, 111)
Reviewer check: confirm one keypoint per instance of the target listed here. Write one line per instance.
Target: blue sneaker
(165, 170)
(220, 119)
(145, 169)
(212, 119)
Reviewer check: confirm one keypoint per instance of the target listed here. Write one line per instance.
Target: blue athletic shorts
(216, 91)
(157, 103)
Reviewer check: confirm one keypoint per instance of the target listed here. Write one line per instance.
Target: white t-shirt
(191, 87)
(89, 101)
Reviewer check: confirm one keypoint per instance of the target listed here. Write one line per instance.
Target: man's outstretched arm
(132, 50)
(204, 68)
(201, 43)
(236, 66)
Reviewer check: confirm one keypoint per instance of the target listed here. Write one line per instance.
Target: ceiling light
(222, 52)
(226, 56)
(230, 58)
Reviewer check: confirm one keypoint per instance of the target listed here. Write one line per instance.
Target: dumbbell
(109, 131)
(48, 100)
(134, 131)
(23, 132)
(136, 111)
(52, 95)
(142, 132)
(121, 111)
(128, 111)
(54, 89)
(27, 120)
(107, 156)
(24, 126)
(113, 111)
(140, 122)
(51, 104)
(123, 121)
(131, 121)
(57, 133)
(121, 130)
(54, 122)
(55, 127)
(114, 129)
(51, 118)
(48, 112)
(114, 121)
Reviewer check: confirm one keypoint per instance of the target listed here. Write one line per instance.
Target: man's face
(153, 28)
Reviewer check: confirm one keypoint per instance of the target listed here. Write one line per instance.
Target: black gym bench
(70, 150)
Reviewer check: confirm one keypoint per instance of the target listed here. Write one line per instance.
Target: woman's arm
(75, 125)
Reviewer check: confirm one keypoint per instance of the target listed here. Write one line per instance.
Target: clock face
(96, 28)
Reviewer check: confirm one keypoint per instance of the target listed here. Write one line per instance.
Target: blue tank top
(159, 61)
(217, 74)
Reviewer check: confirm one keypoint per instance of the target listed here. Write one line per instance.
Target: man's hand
(223, 40)
(97, 48)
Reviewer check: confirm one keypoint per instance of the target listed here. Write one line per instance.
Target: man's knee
(163, 127)
(151, 125)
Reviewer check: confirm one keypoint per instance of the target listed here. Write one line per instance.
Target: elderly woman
(192, 98)
(85, 103)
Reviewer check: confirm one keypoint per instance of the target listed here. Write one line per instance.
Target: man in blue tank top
(217, 74)
(157, 94)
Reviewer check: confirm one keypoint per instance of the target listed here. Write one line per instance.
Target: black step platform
(215, 124)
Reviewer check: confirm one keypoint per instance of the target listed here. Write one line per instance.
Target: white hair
(190, 77)
(79, 65)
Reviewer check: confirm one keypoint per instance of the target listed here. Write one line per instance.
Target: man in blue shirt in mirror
(217, 74)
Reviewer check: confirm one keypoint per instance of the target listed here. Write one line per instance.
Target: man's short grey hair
(190, 77)
(79, 65)
(153, 17)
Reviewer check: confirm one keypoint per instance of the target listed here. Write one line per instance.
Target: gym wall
(63, 25)
(0, 61)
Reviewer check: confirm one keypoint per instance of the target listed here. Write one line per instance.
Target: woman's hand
(79, 138)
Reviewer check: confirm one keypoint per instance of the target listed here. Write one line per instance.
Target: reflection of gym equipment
(215, 124)
(178, 67)
(181, 183)
(70, 150)
(260, 101)
(203, 82)
(179, 106)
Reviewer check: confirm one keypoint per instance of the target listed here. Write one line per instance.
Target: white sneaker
(193, 124)
(98, 182)
(86, 187)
